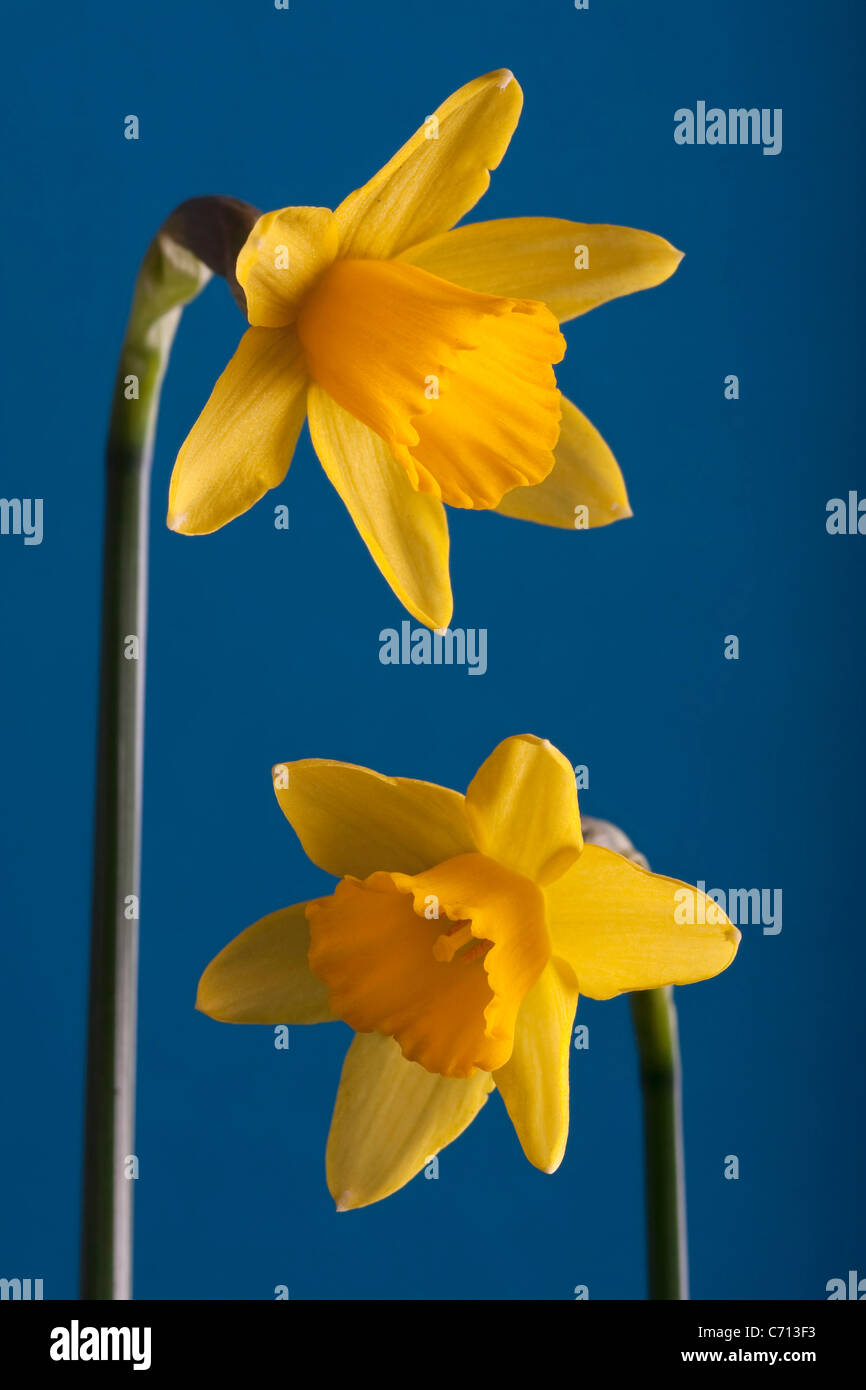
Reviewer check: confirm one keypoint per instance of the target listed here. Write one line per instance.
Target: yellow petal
(535, 257)
(391, 1118)
(534, 1082)
(353, 821)
(496, 419)
(620, 927)
(460, 386)
(282, 256)
(438, 175)
(243, 441)
(441, 960)
(405, 531)
(585, 476)
(522, 808)
(263, 975)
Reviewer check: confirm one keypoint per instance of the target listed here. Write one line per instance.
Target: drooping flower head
(456, 942)
(422, 356)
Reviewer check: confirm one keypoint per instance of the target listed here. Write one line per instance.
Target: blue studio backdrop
(263, 644)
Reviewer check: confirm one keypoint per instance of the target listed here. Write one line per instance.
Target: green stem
(106, 1254)
(200, 236)
(654, 1016)
(655, 1024)
(106, 1267)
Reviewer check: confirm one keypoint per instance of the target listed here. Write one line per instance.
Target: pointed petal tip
(185, 524)
(200, 1006)
(438, 622)
(437, 625)
(619, 511)
(344, 1202)
(204, 1004)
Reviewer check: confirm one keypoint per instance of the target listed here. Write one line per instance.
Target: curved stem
(200, 236)
(109, 1151)
(655, 1024)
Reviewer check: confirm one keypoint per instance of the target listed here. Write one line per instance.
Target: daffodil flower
(422, 356)
(455, 944)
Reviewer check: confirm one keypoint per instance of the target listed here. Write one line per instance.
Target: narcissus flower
(422, 356)
(455, 944)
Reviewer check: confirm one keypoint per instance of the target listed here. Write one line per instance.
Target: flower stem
(199, 237)
(654, 1016)
(106, 1254)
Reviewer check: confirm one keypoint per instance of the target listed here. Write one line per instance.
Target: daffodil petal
(621, 927)
(459, 386)
(570, 266)
(282, 256)
(351, 821)
(438, 175)
(243, 441)
(391, 1118)
(585, 488)
(378, 958)
(522, 808)
(405, 531)
(263, 975)
(534, 1082)
(440, 960)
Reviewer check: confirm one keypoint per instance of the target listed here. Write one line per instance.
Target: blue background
(263, 645)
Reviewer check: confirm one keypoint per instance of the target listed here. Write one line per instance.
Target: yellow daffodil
(422, 356)
(455, 944)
